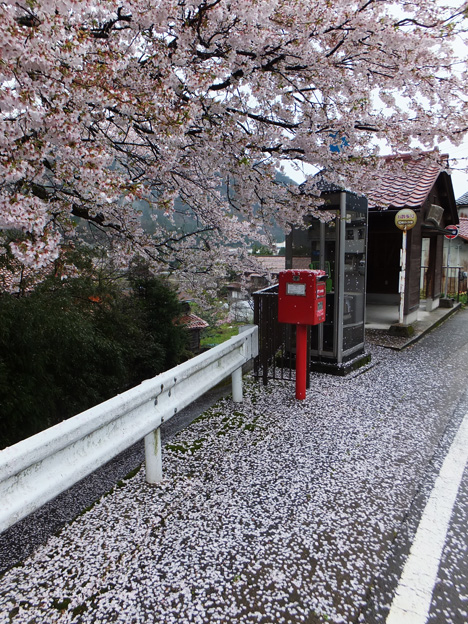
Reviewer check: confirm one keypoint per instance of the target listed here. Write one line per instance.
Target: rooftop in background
(411, 188)
(273, 264)
(192, 321)
(463, 229)
(463, 200)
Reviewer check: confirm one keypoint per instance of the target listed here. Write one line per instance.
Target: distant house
(462, 205)
(235, 292)
(255, 280)
(272, 264)
(270, 268)
(460, 243)
(239, 293)
(194, 325)
(459, 257)
(463, 231)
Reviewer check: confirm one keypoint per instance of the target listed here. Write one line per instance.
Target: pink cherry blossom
(108, 105)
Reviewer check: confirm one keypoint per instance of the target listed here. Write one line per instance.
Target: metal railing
(454, 281)
(38, 469)
(276, 341)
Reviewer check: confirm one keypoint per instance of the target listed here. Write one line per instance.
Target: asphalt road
(370, 466)
(448, 602)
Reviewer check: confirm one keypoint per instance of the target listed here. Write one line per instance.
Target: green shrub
(70, 345)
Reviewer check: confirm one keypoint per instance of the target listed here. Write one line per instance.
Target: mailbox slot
(296, 289)
(301, 296)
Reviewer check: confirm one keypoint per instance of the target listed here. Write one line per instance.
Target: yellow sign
(405, 219)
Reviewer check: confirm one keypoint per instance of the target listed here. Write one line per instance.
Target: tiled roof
(408, 188)
(463, 200)
(274, 264)
(192, 321)
(463, 228)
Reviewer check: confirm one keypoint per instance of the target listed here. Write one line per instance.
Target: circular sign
(453, 229)
(405, 219)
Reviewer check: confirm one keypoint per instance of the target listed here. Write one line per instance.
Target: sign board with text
(405, 219)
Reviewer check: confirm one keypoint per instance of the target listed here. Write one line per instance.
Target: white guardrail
(37, 469)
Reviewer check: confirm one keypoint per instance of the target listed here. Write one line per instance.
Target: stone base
(398, 329)
(432, 304)
(446, 302)
(333, 368)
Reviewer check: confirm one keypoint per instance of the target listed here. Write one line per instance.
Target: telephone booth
(336, 244)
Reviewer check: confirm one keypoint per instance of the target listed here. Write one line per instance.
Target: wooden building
(193, 324)
(462, 205)
(461, 243)
(424, 187)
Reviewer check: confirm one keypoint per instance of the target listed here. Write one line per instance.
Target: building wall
(439, 242)
(458, 253)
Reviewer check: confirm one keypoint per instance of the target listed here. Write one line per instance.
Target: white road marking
(413, 596)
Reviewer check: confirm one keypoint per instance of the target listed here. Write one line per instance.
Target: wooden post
(447, 268)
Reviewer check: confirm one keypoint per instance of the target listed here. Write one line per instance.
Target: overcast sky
(458, 155)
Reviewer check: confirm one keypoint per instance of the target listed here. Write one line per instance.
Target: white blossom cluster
(108, 106)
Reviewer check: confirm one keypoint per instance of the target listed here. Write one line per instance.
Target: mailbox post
(301, 302)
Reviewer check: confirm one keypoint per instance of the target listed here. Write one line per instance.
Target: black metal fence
(276, 341)
(454, 281)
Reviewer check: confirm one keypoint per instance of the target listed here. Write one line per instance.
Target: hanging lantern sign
(405, 219)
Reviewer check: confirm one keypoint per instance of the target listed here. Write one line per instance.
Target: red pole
(301, 361)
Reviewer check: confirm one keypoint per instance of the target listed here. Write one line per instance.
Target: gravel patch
(381, 338)
(272, 510)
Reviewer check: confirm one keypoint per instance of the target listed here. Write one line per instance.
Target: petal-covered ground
(270, 511)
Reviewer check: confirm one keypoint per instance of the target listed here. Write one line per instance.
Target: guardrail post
(237, 394)
(153, 460)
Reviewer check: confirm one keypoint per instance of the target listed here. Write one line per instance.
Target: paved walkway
(380, 318)
(274, 511)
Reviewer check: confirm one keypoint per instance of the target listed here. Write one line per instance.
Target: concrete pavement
(380, 318)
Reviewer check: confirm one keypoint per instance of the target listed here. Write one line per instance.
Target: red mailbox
(301, 297)
(301, 301)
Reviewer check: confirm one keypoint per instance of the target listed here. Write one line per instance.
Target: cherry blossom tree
(107, 106)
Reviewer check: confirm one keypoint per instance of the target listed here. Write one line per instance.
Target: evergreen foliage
(72, 344)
